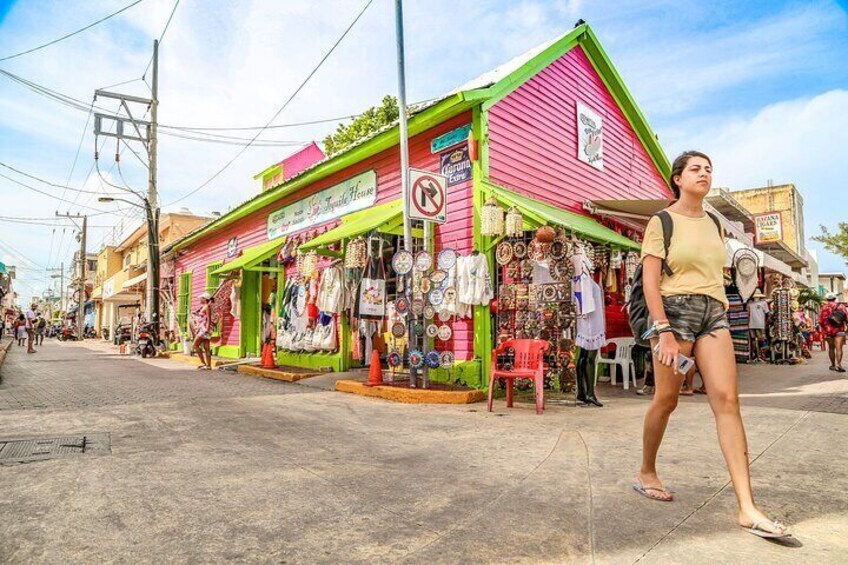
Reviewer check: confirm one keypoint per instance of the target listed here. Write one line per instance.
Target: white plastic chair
(623, 358)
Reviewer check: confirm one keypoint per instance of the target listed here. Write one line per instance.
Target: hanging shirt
(757, 310)
(331, 290)
(474, 283)
(591, 327)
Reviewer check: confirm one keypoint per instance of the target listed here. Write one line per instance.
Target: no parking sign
(428, 199)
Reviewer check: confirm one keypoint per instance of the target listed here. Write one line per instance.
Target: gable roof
(485, 90)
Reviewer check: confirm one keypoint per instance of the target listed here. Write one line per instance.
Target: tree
(835, 242)
(373, 119)
(810, 299)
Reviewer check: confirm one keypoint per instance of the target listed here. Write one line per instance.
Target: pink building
(543, 133)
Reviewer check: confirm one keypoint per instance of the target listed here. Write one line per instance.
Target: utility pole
(81, 301)
(146, 133)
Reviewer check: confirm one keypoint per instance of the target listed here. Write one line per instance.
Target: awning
(781, 250)
(134, 281)
(384, 217)
(252, 256)
(543, 213)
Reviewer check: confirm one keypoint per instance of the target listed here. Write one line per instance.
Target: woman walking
(687, 306)
(203, 332)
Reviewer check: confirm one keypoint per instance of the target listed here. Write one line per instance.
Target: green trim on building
(252, 256)
(184, 302)
(383, 217)
(229, 351)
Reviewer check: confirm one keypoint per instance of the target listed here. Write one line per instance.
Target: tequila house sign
(356, 193)
(590, 137)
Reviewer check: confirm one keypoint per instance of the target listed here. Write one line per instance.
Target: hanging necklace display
(436, 297)
(416, 359)
(423, 261)
(445, 333)
(402, 306)
(447, 259)
(601, 256)
(429, 312)
(630, 264)
(445, 315)
(519, 249)
(402, 262)
(432, 359)
(504, 253)
(398, 329)
(491, 219)
(355, 254)
(446, 359)
(432, 330)
(514, 225)
(616, 259)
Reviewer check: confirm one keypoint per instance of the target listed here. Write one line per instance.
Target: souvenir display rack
(737, 317)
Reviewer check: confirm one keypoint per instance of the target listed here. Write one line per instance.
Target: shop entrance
(260, 287)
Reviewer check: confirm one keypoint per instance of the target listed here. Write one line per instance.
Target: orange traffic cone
(375, 374)
(268, 357)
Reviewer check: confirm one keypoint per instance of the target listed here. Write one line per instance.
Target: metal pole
(62, 290)
(152, 206)
(81, 301)
(404, 162)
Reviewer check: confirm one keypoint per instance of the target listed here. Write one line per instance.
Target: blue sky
(761, 86)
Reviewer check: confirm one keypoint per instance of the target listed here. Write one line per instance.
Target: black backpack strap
(717, 222)
(668, 230)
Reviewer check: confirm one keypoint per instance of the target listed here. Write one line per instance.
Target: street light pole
(151, 205)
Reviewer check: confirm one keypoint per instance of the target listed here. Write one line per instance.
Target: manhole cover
(24, 450)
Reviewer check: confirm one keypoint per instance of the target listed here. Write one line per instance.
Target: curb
(275, 374)
(411, 396)
(4, 349)
(183, 358)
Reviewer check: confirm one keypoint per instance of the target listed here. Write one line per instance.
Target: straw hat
(758, 294)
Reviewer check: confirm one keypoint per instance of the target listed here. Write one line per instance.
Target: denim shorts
(693, 316)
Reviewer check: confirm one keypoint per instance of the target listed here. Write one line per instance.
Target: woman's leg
(717, 363)
(839, 342)
(666, 393)
(201, 352)
(207, 345)
(831, 351)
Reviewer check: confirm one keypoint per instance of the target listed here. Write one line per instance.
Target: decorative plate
(450, 295)
(562, 270)
(445, 315)
(432, 359)
(425, 285)
(447, 259)
(418, 328)
(446, 359)
(429, 312)
(558, 250)
(436, 297)
(394, 359)
(432, 330)
(416, 359)
(519, 249)
(402, 306)
(549, 293)
(423, 261)
(438, 277)
(399, 329)
(445, 333)
(402, 262)
(417, 306)
(504, 253)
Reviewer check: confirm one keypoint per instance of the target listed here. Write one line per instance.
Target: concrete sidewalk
(221, 468)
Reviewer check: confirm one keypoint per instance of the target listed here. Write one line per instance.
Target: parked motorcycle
(123, 333)
(146, 343)
(68, 333)
(89, 332)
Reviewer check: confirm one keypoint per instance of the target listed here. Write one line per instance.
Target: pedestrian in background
(40, 327)
(20, 330)
(203, 332)
(833, 320)
(31, 319)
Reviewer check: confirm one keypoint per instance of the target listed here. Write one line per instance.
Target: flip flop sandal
(834, 369)
(758, 530)
(701, 390)
(686, 392)
(645, 491)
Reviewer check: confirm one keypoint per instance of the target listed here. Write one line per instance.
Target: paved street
(214, 466)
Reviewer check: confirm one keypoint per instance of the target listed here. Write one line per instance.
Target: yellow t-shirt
(696, 255)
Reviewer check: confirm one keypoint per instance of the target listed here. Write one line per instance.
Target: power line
(161, 36)
(47, 182)
(248, 128)
(280, 110)
(73, 33)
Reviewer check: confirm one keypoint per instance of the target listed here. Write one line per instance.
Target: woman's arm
(651, 275)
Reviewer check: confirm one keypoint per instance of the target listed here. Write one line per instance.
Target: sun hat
(830, 296)
(759, 294)
(206, 296)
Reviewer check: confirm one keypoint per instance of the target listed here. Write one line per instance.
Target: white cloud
(802, 141)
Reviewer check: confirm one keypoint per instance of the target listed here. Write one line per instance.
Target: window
(212, 282)
(127, 259)
(184, 302)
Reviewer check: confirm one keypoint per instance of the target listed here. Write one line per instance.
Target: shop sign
(232, 247)
(428, 196)
(456, 165)
(356, 193)
(590, 137)
(108, 288)
(769, 227)
(453, 137)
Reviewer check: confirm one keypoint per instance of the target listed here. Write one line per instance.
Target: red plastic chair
(528, 364)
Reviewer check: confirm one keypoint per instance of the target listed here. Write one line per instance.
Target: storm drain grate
(23, 450)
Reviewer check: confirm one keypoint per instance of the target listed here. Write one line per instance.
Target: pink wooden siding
(252, 229)
(533, 140)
